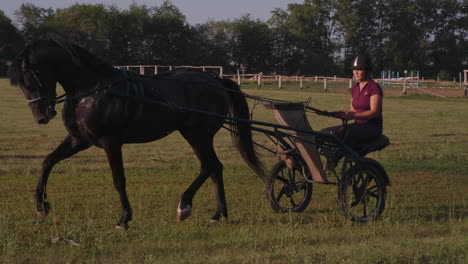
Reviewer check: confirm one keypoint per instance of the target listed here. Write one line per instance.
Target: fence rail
(261, 79)
(156, 68)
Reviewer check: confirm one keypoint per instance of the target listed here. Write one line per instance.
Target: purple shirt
(361, 101)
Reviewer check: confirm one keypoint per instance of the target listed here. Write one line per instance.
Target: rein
(52, 102)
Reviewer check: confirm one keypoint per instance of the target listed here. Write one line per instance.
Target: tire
(362, 192)
(286, 188)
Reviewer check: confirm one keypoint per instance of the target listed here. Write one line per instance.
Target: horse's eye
(29, 81)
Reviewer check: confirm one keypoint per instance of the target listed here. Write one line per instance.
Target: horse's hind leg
(69, 146)
(210, 167)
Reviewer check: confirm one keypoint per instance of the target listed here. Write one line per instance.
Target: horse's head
(34, 75)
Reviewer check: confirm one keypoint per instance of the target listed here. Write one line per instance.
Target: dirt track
(443, 92)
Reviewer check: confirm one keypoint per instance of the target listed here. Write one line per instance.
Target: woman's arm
(351, 108)
(375, 106)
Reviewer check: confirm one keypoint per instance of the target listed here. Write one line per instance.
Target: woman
(365, 109)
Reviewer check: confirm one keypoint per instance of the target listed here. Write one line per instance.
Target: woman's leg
(357, 134)
(332, 157)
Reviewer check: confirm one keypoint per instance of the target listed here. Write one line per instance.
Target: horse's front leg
(113, 150)
(69, 146)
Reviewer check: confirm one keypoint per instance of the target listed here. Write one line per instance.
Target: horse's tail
(241, 132)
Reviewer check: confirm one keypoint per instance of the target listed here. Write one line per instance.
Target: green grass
(425, 220)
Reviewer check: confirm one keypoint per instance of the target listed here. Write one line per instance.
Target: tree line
(316, 37)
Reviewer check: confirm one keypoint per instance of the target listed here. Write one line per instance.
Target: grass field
(425, 221)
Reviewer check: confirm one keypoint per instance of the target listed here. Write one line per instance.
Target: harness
(125, 84)
(129, 87)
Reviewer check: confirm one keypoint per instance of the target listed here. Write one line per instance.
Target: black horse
(107, 108)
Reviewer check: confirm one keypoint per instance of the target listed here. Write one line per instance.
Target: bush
(444, 75)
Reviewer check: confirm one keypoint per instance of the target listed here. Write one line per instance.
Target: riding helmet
(362, 62)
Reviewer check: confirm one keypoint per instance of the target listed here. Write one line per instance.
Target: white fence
(260, 78)
(156, 68)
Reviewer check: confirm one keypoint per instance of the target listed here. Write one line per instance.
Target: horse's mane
(14, 71)
(80, 57)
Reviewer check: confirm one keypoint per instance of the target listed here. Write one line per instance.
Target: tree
(83, 24)
(31, 19)
(168, 35)
(450, 34)
(251, 42)
(315, 37)
(313, 27)
(214, 43)
(11, 41)
(285, 55)
(362, 28)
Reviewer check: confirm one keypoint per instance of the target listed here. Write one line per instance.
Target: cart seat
(375, 145)
(293, 115)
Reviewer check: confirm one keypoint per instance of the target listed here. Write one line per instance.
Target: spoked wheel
(287, 189)
(362, 193)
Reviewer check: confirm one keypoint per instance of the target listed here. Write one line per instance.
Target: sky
(196, 11)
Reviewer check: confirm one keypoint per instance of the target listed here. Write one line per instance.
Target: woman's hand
(349, 115)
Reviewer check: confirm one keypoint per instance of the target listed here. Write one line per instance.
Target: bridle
(51, 100)
(41, 87)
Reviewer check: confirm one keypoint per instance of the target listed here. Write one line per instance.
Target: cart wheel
(286, 188)
(362, 192)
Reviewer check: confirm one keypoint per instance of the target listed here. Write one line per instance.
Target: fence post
(316, 78)
(404, 87)
(259, 80)
(383, 78)
(238, 77)
(459, 78)
(155, 70)
(350, 83)
(412, 80)
(325, 84)
(417, 76)
(280, 79)
(142, 70)
(300, 83)
(334, 78)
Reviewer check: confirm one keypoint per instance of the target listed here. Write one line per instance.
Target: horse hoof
(213, 221)
(41, 215)
(183, 214)
(216, 218)
(121, 227)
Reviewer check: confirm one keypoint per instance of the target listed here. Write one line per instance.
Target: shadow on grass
(22, 156)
